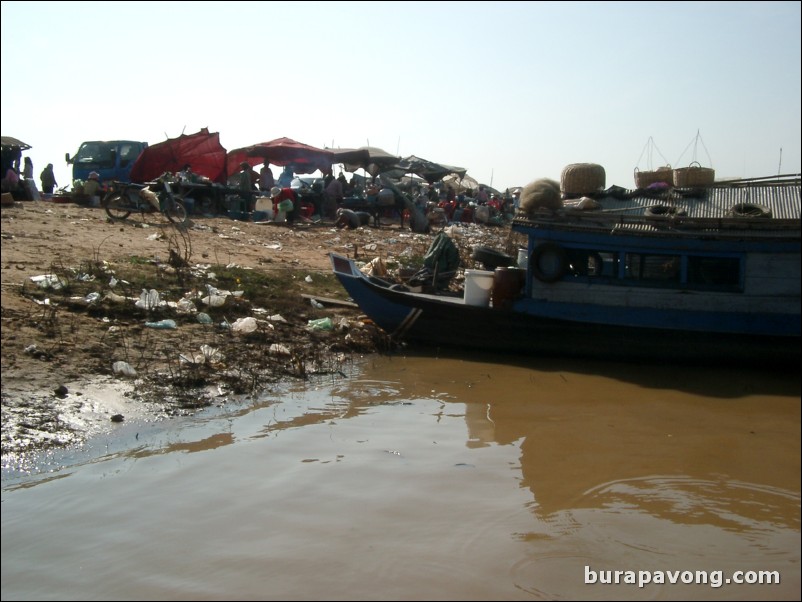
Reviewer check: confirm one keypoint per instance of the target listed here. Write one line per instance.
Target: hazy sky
(512, 91)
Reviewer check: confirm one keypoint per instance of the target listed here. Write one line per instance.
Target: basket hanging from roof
(648, 177)
(664, 175)
(582, 178)
(694, 176)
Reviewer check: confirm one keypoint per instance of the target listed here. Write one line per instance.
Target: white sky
(512, 91)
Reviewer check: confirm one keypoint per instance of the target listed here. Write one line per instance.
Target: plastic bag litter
(208, 355)
(114, 297)
(215, 298)
(279, 349)
(204, 318)
(375, 267)
(185, 306)
(211, 354)
(148, 299)
(123, 369)
(244, 325)
(48, 281)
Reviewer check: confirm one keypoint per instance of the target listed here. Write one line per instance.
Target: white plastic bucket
(264, 204)
(478, 286)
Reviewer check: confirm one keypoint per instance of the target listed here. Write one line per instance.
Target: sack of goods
(285, 206)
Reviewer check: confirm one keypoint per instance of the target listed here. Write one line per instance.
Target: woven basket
(694, 176)
(647, 178)
(581, 179)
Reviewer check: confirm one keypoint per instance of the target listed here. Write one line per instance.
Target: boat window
(656, 269)
(715, 272)
(586, 262)
(606, 264)
(652, 267)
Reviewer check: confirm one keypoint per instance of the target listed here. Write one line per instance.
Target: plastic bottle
(161, 324)
(321, 324)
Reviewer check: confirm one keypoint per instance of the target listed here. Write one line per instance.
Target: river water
(431, 478)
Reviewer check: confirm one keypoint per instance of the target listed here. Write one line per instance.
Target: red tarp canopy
(202, 151)
(282, 151)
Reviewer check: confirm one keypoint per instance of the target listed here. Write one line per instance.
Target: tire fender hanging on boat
(549, 262)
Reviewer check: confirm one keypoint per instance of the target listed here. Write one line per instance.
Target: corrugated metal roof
(716, 202)
(727, 209)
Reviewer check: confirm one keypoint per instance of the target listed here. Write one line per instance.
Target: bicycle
(125, 198)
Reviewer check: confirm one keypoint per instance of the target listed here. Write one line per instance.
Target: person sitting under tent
(285, 177)
(11, 180)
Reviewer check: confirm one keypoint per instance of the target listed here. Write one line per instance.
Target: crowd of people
(326, 199)
(18, 175)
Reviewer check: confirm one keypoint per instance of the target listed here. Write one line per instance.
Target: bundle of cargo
(580, 179)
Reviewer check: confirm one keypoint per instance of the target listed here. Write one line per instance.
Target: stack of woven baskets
(580, 179)
(694, 176)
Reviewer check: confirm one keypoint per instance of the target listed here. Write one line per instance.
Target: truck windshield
(95, 155)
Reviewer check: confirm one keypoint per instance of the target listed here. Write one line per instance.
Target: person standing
(246, 180)
(266, 179)
(333, 196)
(48, 179)
(27, 170)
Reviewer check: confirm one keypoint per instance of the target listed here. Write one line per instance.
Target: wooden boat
(680, 275)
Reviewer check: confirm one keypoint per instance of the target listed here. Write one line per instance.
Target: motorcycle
(125, 198)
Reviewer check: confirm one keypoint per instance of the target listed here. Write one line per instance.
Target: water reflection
(430, 478)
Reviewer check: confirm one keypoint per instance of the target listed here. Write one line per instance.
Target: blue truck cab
(111, 159)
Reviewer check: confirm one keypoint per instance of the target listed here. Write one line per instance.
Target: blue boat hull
(432, 321)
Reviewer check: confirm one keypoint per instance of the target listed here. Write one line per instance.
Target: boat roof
(764, 208)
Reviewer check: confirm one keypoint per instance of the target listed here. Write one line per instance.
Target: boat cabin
(697, 259)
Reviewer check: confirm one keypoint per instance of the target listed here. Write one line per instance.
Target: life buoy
(750, 210)
(664, 211)
(549, 262)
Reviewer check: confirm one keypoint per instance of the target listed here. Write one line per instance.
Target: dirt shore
(77, 315)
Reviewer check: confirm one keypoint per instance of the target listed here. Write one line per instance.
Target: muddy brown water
(431, 478)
